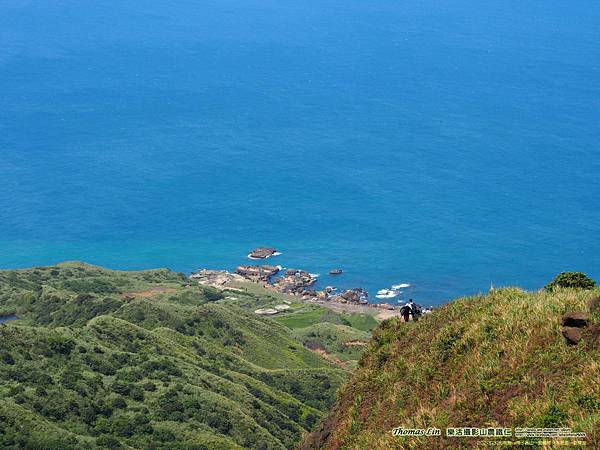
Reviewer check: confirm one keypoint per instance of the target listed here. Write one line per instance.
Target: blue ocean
(452, 145)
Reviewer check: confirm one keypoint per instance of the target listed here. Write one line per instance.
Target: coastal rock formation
(356, 295)
(295, 281)
(262, 253)
(215, 278)
(322, 295)
(385, 306)
(257, 273)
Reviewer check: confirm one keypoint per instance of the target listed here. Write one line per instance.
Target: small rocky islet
(263, 253)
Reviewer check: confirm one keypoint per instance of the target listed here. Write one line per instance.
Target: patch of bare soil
(325, 354)
(355, 343)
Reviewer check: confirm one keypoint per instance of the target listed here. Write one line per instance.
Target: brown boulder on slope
(572, 334)
(576, 319)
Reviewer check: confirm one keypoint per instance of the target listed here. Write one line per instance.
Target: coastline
(380, 314)
(262, 278)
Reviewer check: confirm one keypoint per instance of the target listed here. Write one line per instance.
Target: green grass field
(312, 314)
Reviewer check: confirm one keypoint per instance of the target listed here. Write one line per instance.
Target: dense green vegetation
(573, 280)
(487, 361)
(342, 343)
(340, 337)
(109, 359)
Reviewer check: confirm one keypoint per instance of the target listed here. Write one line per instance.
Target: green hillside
(309, 315)
(499, 360)
(338, 342)
(109, 359)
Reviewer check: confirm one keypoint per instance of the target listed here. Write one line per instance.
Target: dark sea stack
(336, 272)
(262, 253)
(576, 320)
(257, 273)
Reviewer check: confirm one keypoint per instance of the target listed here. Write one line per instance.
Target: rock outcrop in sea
(263, 253)
(257, 273)
(295, 281)
(356, 295)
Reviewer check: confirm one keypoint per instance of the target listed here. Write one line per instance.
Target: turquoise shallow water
(427, 142)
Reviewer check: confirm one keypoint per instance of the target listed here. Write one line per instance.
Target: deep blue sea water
(448, 144)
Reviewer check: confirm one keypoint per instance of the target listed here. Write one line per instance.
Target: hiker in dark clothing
(416, 312)
(412, 308)
(405, 311)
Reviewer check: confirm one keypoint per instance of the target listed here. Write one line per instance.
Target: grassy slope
(340, 341)
(103, 358)
(497, 360)
(330, 333)
(318, 328)
(311, 314)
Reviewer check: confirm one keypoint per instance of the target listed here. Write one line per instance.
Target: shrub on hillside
(573, 280)
(86, 286)
(61, 344)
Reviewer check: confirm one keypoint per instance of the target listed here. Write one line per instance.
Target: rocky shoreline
(300, 283)
(296, 282)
